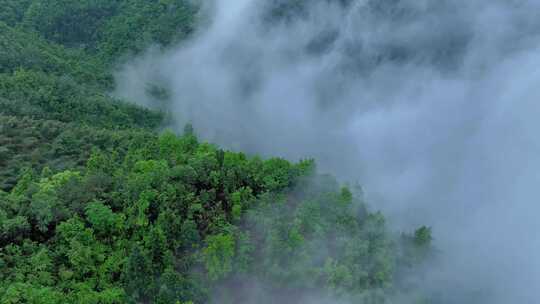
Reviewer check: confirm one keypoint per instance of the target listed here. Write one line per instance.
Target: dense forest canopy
(98, 205)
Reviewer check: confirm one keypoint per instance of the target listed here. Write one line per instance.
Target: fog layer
(431, 105)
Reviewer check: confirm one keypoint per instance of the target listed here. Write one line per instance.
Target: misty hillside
(98, 204)
(269, 151)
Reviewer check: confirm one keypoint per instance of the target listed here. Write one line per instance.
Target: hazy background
(431, 105)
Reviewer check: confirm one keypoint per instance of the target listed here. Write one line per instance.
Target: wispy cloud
(431, 105)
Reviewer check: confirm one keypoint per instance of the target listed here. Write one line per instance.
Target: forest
(100, 204)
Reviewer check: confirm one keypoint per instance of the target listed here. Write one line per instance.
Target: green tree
(103, 220)
(218, 255)
(138, 276)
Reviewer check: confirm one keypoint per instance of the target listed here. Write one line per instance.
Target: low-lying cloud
(431, 105)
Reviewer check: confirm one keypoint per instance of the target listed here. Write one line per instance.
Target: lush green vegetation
(163, 218)
(97, 207)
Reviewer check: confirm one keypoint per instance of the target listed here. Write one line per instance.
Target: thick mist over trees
(292, 124)
(431, 105)
(98, 204)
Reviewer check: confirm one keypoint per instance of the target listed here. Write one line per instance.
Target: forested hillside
(97, 205)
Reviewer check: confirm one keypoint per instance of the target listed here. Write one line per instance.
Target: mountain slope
(97, 207)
